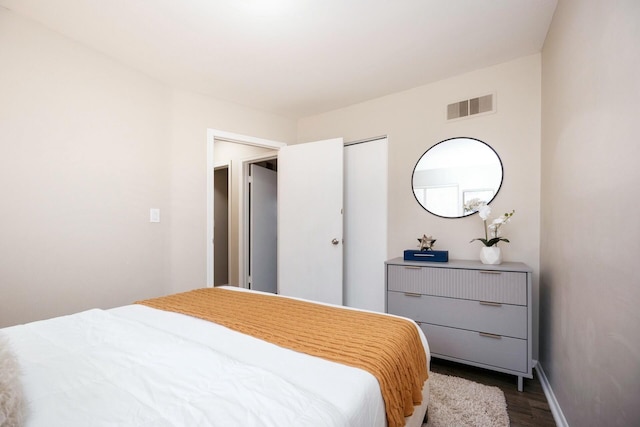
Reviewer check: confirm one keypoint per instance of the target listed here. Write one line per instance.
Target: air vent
(470, 107)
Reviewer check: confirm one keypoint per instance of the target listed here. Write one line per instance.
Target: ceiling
(297, 58)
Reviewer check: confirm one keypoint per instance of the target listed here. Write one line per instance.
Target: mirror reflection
(455, 172)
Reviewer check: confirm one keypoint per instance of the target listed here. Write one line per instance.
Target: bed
(141, 365)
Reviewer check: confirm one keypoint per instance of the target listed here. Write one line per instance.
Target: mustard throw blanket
(387, 347)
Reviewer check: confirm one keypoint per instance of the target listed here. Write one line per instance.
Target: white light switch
(154, 215)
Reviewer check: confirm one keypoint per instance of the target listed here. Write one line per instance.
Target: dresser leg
(520, 383)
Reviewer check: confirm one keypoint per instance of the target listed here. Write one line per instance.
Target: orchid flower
(484, 211)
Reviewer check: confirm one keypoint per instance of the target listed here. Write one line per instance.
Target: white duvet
(137, 366)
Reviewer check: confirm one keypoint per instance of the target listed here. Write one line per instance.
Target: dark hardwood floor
(528, 408)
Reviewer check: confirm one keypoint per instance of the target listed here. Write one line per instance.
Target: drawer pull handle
(492, 304)
(489, 272)
(412, 267)
(411, 294)
(494, 336)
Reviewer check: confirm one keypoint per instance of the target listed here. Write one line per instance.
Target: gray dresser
(470, 312)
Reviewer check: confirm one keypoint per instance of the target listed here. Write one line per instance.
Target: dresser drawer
(493, 318)
(507, 287)
(503, 352)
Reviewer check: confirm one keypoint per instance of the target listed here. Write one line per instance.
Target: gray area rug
(458, 402)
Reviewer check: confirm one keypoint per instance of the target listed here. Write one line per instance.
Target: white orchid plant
(491, 230)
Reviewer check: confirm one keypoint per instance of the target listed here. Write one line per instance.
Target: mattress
(138, 366)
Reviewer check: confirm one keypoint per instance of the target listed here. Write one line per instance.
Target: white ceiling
(299, 57)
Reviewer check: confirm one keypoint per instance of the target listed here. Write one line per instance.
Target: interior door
(310, 189)
(365, 221)
(263, 223)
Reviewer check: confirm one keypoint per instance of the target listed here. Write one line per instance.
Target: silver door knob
(335, 242)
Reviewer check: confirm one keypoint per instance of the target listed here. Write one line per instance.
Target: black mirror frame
(449, 139)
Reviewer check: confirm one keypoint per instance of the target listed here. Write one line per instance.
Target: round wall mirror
(455, 175)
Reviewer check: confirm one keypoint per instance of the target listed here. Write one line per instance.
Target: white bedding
(137, 366)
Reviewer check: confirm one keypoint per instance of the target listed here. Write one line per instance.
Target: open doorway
(221, 226)
(231, 149)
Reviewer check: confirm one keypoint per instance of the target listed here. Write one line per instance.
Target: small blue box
(430, 256)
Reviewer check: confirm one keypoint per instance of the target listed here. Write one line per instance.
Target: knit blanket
(388, 347)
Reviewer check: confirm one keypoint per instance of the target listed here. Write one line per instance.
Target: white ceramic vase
(491, 255)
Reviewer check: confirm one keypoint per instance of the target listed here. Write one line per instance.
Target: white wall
(415, 120)
(590, 240)
(84, 146)
(87, 146)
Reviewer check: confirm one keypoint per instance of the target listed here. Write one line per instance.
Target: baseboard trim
(556, 411)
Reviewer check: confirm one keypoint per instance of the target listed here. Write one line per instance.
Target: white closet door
(365, 222)
(310, 197)
(263, 229)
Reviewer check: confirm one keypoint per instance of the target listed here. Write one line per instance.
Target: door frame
(212, 136)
